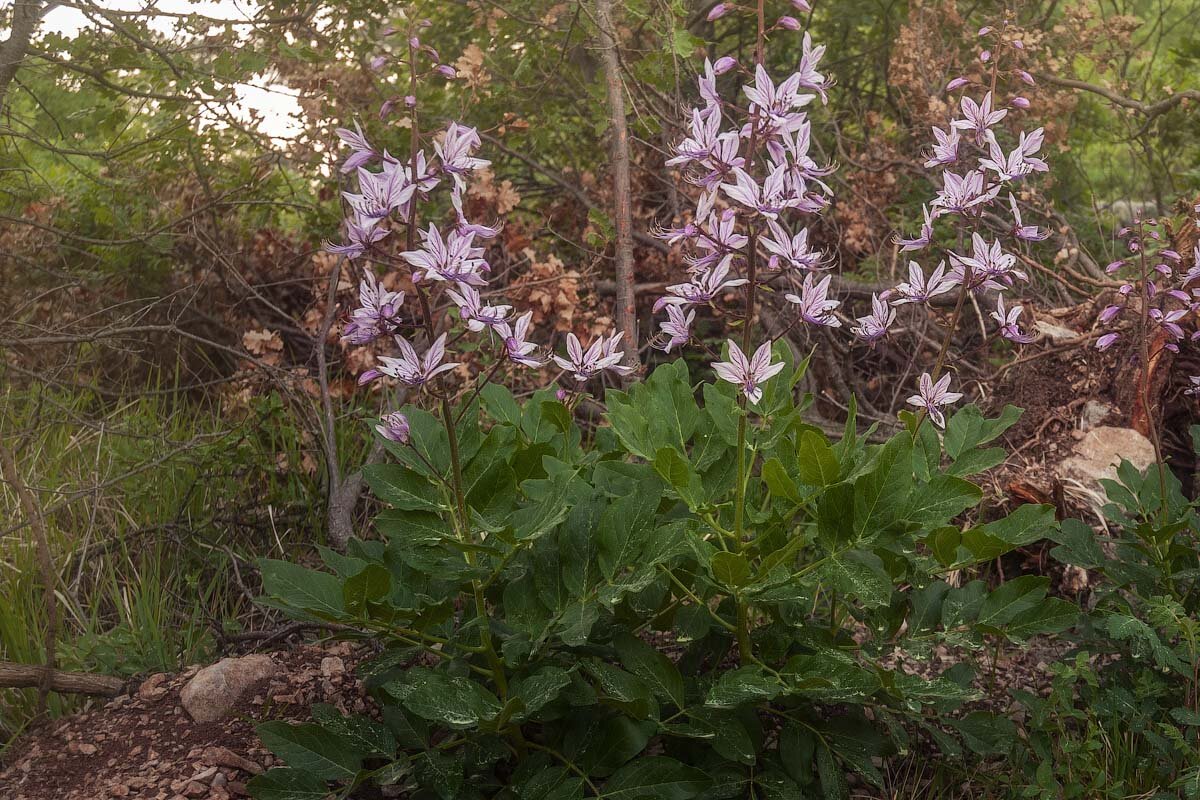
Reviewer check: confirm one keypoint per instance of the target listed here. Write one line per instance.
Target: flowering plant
(693, 598)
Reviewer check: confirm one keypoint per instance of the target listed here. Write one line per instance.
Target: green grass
(147, 503)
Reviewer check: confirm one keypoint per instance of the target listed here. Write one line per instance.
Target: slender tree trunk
(24, 676)
(26, 15)
(626, 309)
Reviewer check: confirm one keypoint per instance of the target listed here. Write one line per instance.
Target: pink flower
(931, 397)
(601, 355)
(412, 369)
(814, 304)
(395, 428)
(748, 373)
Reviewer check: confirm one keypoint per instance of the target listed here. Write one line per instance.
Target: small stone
(332, 665)
(152, 688)
(195, 789)
(87, 749)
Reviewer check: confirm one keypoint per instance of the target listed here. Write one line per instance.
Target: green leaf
(284, 783)
(678, 474)
(745, 685)
(306, 589)
(1011, 599)
(500, 404)
(441, 771)
(657, 777)
(816, 463)
(401, 487)
(624, 526)
(434, 695)
(600, 745)
(941, 500)
(311, 749)
(658, 671)
(779, 482)
(730, 569)
(967, 429)
(859, 575)
(722, 729)
(362, 733)
(1050, 616)
(371, 585)
(883, 492)
(541, 688)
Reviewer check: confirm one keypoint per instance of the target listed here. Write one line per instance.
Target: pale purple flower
(945, 149)
(1028, 233)
(1110, 313)
(473, 311)
(379, 194)
(1169, 322)
(875, 325)
(924, 238)
(410, 368)
(788, 23)
(703, 141)
(703, 288)
(919, 290)
(962, 194)
(990, 267)
(802, 5)
(455, 151)
(1017, 164)
(806, 75)
(516, 347)
(814, 304)
(1007, 318)
(957, 83)
(362, 153)
(454, 259)
(378, 312)
(748, 374)
(769, 199)
(985, 56)
(717, 11)
(1019, 102)
(601, 355)
(932, 396)
(1026, 77)
(777, 101)
(362, 232)
(1106, 341)
(677, 327)
(465, 226)
(792, 251)
(395, 428)
(979, 117)
(724, 64)
(720, 234)
(446, 71)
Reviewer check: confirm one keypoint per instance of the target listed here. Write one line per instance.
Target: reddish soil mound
(146, 745)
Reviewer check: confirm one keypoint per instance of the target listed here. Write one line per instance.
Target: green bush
(690, 601)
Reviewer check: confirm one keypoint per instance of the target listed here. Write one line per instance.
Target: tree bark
(626, 310)
(26, 16)
(26, 676)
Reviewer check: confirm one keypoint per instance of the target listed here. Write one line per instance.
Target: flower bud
(1025, 76)
(1106, 341)
(1110, 313)
(414, 42)
(802, 5)
(1017, 43)
(1114, 266)
(561, 395)
(957, 83)
(985, 56)
(395, 428)
(447, 71)
(1019, 102)
(386, 108)
(788, 23)
(985, 30)
(410, 100)
(718, 11)
(724, 64)
(377, 62)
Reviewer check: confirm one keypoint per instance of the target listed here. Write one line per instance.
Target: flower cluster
(977, 170)
(1163, 278)
(447, 264)
(749, 156)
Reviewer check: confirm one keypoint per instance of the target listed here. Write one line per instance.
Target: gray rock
(1098, 453)
(216, 690)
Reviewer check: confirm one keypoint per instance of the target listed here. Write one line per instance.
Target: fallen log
(29, 676)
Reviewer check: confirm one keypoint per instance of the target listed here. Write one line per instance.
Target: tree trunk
(26, 15)
(626, 310)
